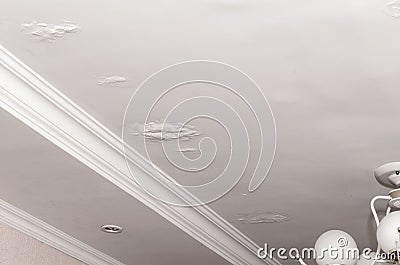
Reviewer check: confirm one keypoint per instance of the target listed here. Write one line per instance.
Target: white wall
(16, 248)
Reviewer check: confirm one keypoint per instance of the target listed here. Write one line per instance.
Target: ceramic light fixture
(388, 230)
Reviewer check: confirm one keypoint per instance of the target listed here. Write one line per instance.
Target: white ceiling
(44, 181)
(330, 70)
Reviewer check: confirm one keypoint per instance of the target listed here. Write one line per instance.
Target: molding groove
(51, 236)
(35, 102)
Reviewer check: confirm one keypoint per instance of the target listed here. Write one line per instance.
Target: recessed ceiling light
(112, 229)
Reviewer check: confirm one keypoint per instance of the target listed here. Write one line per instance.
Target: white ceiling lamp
(371, 259)
(340, 240)
(388, 233)
(388, 229)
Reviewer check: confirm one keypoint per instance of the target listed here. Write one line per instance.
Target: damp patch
(158, 131)
(111, 80)
(393, 9)
(262, 217)
(45, 31)
(187, 150)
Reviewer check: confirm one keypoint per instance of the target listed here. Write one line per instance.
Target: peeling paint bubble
(159, 131)
(188, 150)
(46, 31)
(111, 80)
(393, 9)
(263, 217)
(250, 120)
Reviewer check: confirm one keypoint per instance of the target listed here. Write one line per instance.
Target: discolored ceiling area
(329, 70)
(44, 181)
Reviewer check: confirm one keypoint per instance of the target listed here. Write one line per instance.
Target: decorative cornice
(51, 236)
(38, 104)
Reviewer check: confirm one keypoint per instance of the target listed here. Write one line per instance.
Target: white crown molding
(51, 236)
(31, 99)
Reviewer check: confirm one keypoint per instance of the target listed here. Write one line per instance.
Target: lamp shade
(336, 247)
(388, 233)
(371, 259)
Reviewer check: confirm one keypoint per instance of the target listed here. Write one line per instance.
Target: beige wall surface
(16, 248)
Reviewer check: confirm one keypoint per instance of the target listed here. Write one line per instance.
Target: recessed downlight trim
(111, 229)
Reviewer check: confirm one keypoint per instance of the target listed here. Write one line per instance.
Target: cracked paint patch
(111, 80)
(158, 131)
(393, 9)
(187, 149)
(262, 217)
(50, 32)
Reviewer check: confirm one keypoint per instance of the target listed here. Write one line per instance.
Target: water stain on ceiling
(262, 217)
(393, 9)
(187, 149)
(111, 80)
(50, 32)
(158, 131)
